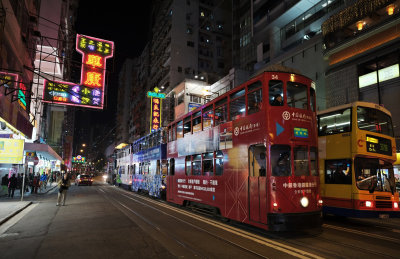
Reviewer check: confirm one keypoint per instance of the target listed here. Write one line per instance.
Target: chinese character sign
(156, 104)
(90, 91)
(79, 159)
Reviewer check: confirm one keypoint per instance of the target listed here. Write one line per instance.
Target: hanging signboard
(90, 91)
(156, 105)
(11, 151)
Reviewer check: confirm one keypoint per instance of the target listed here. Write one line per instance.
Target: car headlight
(105, 177)
(304, 202)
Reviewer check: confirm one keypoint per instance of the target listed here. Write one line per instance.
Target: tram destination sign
(379, 145)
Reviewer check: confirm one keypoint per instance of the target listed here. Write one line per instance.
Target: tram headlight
(395, 205)
(368, 204)
(320, 202)
(304, 202)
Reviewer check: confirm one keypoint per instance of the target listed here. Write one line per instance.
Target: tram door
(258, 183)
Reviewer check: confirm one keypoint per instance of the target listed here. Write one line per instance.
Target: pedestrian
(63, 185)
(4, 180)
(35, 183)
(19, 183)
(12, 184)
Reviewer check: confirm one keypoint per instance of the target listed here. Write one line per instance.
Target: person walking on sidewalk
(63, 185)
(12, 184)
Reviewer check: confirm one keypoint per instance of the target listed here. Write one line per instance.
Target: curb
(14, 213)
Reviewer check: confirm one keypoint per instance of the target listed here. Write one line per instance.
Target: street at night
(200, 129)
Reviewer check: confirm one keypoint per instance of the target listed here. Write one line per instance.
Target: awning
(42, 150)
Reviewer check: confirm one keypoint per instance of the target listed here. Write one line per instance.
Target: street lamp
(83, 145)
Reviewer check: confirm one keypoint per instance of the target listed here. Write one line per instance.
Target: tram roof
(353, 104)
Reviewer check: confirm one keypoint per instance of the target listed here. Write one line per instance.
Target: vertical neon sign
(12, 82)
(156, 106)
(90, 91)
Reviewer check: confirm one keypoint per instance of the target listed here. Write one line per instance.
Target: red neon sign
(90, 91)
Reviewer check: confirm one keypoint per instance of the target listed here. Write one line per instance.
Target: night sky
(128, 28)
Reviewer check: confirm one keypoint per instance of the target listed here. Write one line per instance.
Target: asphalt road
(103, 221)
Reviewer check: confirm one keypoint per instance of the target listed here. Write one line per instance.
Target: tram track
(179, 241)
(259, 240)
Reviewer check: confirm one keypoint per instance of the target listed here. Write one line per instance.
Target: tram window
(254, 101)
(208, 117)
(196, 165)
(275, 90)
(158, 167)
(179, 130)
(257, 161)
(335, 122)
(300, 161)
(254, 86)
(297, 95)
(237, 94)
(312, 99)
(187, 126)
(197, 124)
(219, 163)
(281, 160)
(314, 161)
(173, 137)
(188, 165)
(208, 164)
(172, 166)
(221, 114)
(338, 171)
(237, 108)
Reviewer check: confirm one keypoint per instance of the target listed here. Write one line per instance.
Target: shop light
(390, 9)
(360, 25)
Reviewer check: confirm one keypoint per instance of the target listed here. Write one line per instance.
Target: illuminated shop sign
(156, 104)
(11, 151)
(379, 145)
(384, 74)
(90, 91)
(79, 159)
(12, 82)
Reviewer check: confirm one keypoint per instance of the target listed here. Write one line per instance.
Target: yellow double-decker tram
(356, 155)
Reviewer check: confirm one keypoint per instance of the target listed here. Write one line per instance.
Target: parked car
(83, 179)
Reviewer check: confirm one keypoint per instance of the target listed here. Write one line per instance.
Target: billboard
(90, 91)
(11, 151)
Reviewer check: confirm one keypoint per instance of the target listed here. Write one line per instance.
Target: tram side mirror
(262, 156)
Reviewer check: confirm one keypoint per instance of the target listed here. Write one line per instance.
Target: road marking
(11, 222)
(358, 232)
(261, 240)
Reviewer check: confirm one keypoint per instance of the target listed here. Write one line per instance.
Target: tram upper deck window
(187, 125)
(254, 97)
(238, 105)
(221, 113)
(374, 120)
(300, 161)
(281, 160)
(312, 99)
(197, 122)
(335, 122)
(275, 90)
(179, 130)
(297, 95)
(374, 175)
(338, 171)
(173, 132)
(208, 117)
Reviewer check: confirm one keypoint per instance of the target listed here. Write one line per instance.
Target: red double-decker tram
(251, 154)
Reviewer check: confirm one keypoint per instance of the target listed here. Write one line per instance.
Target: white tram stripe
(261, 240)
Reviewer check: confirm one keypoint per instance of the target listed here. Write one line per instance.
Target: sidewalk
(9, 207)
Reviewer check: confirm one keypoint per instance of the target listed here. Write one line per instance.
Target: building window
(190, 44)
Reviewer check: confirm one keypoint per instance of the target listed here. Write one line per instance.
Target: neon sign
(79, 159)
(12, 82)
(90, 91)
(155, 113)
